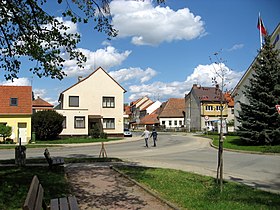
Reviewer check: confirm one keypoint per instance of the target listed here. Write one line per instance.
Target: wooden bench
(34, 199)
(53, 161)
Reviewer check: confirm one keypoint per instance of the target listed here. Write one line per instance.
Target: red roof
(229, 99)
(174, 107)
(23, 96)
(41, 103)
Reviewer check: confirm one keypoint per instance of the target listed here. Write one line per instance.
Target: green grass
(234, 142)
(39, 143)
(185, 190)
(192, 191)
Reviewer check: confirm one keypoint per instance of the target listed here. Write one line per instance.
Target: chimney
(80, 78)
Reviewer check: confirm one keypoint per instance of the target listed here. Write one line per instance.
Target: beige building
(95, 100)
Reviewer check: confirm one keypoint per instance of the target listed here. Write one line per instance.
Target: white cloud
(17, 82)
(149, 25)
(106, 58)
(236, 47)
(135, 74)
(201, 75)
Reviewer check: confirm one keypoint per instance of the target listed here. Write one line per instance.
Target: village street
(184, 152)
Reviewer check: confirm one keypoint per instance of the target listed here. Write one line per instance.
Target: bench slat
(32, 194)
(63, 204)
(54, 204)
(73, 204)
(39, 200)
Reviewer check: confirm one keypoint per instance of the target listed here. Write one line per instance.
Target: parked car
(127, 133)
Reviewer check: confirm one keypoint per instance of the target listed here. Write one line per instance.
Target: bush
(5, 131)
(47, 124)
(95, 132)
(103, 135)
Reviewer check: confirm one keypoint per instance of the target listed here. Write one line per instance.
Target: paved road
(187, 153)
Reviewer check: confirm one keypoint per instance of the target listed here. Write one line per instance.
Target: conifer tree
(259, 119)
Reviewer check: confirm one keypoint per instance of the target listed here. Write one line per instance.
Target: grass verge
(192, 191)
(234, 142)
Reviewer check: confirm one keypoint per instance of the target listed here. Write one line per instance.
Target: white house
(96, 99)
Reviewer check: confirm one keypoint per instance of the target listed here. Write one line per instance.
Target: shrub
(47, 124)
(5, 131)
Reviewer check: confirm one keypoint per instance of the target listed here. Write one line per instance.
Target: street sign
(206, 117)
(278, 108)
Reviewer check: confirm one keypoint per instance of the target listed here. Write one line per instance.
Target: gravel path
(100, 187)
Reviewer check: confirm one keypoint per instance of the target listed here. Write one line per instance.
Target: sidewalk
(98, 186)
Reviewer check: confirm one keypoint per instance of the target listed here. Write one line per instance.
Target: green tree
(47, 124)
(260, 122)
(27, 30)
(5, 131)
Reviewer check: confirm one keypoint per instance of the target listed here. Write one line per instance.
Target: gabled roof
(174, 107)
(24, 100)
(274, 39)
(150, 119)
(203, 94)
(80, 81)
(39, 102)
(147, 106)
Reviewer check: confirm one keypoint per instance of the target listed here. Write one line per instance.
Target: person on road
(154, 135)
(146, 135)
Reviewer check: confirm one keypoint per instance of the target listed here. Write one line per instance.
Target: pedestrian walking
(146, 135)
(154, 135)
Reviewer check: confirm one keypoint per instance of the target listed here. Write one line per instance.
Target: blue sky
(162, 50)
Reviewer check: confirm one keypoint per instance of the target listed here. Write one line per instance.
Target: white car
(127, 133)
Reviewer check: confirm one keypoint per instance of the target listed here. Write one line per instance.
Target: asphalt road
(188, 153)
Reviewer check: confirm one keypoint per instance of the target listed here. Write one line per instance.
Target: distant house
(150, 120)
(95, 100)
(16, 111)
(238, 91)
(136, 107)
(203, 108)
(172, 113)
(40, 105)
(126, 115)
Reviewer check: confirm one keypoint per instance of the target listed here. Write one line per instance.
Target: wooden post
(102, 151)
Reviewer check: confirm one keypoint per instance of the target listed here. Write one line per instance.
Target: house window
(180, 122)
(232, 111)
(209, 108)
(108, 102)
(64, 122)
(219, 107)
(73, 101)
(170, 122)
(79, 122)
(13, 101)
(163, 122)
(108, 123)
(175, 122)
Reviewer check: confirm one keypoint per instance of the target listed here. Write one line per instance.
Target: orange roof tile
(39, 102)
(174, 107)
(24, 100)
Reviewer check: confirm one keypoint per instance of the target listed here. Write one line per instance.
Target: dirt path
(99, 187)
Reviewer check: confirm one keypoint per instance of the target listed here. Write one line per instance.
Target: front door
(22, 133)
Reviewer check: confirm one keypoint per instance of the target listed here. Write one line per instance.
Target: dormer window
(13, 101)
(73, 101)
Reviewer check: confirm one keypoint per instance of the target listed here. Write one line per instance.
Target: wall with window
(97, 95)
(16, 121)
(172, 122)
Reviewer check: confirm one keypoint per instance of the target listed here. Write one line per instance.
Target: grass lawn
(40, 143)
(192, 191)
(234, 142)
(186, 190)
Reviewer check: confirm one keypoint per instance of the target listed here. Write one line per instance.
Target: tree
(260, 122)
(5, 131)
(47, 124)
(27, 30)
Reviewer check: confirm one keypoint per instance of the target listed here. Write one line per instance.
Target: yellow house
(203, 108)
(16, 111)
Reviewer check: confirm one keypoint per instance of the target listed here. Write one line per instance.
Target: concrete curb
(146, 189)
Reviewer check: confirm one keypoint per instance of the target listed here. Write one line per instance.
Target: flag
(261, 27)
